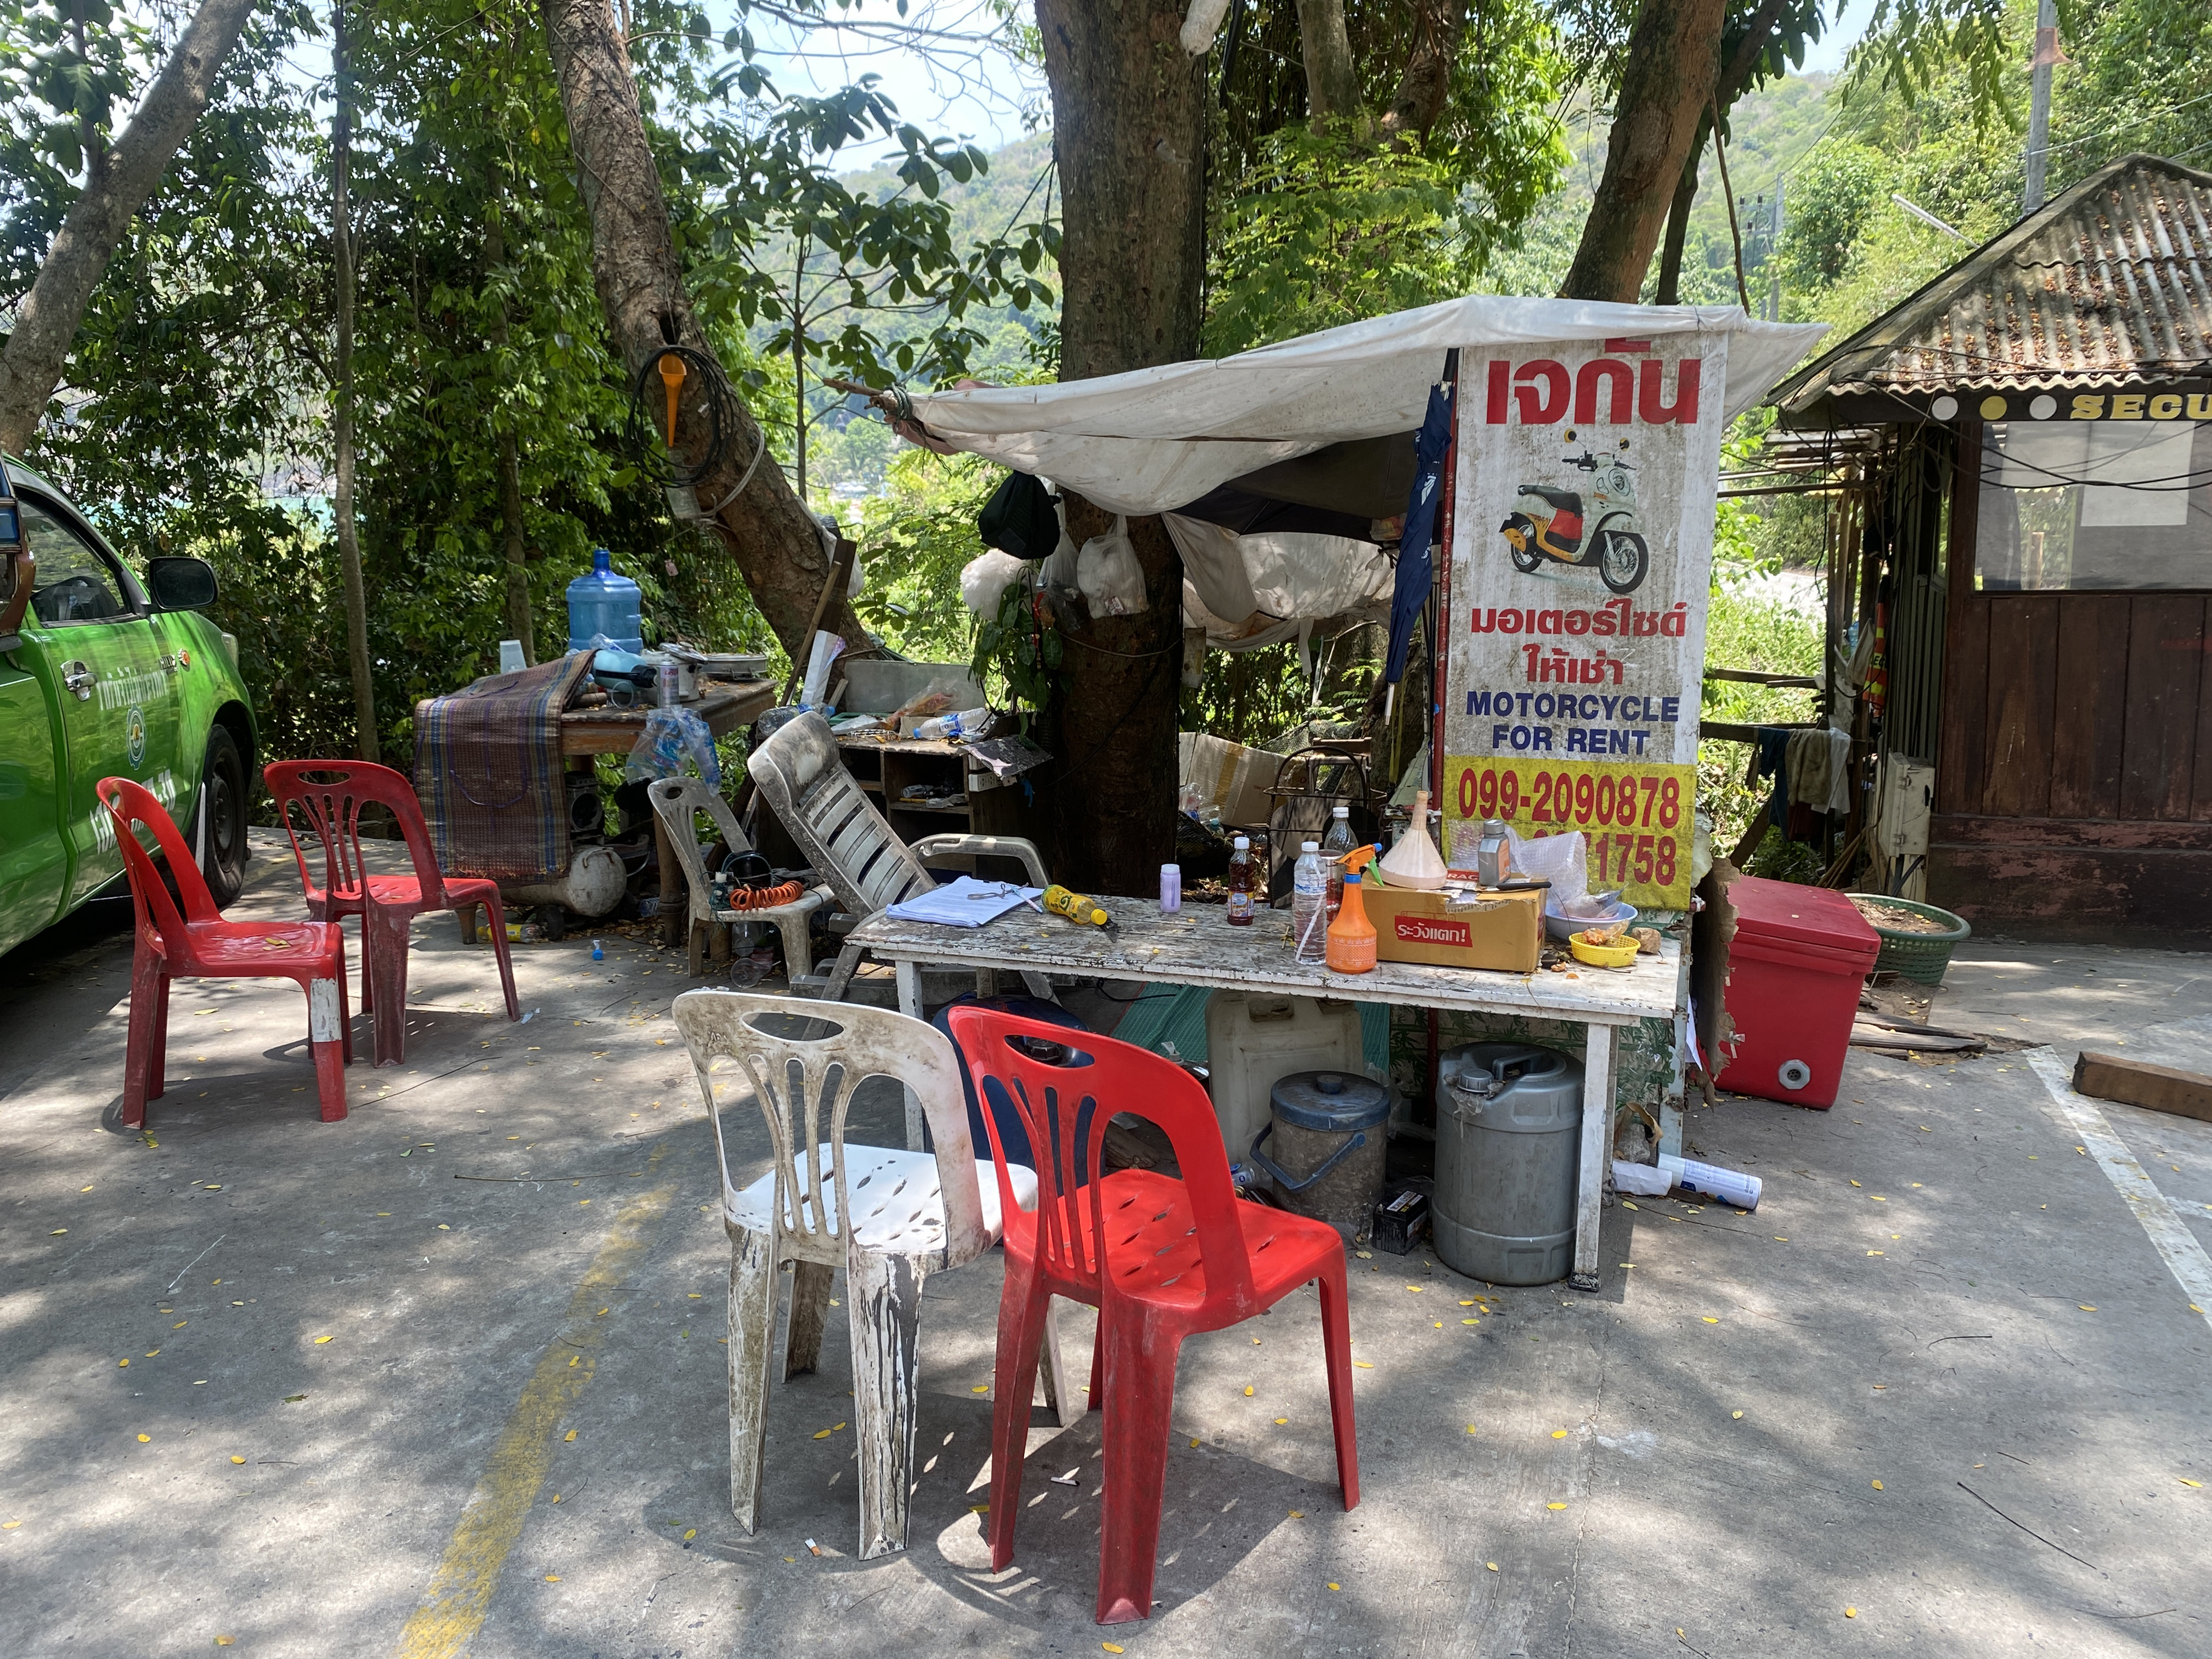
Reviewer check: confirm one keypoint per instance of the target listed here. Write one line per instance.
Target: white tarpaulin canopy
(1157, 439)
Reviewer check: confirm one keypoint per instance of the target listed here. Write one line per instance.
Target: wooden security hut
(2021, 458)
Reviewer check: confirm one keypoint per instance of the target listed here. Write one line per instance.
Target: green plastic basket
(1920, 956)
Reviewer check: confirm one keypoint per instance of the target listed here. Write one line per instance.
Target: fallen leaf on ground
(1735, 1414)
(236, 1459)
(1493, 1565)
(571, 1435)
(145, 1439)
(1364, 1364)
(1558, 1434)
(1555, 1506)
(1248, 1390)
(320, 1340)
(1877, 1486)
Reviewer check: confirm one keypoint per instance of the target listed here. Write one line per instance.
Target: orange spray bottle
(1350, 948)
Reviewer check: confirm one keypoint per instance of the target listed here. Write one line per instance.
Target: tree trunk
(341, 396)
(1425, 82)
(1332, 85)
(1128, 128)
(115, 189)
(510, 457)
(1678, 227)
(1673, 69)
(635, 267)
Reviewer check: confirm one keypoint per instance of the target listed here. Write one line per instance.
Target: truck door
(33, 858)
(87, 621)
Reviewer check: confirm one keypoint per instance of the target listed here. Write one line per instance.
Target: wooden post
(675, 895)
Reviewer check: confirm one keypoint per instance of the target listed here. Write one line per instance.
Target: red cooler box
(1795, 967)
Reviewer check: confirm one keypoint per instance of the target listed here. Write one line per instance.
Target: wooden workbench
(605, 731)
(1199, 947)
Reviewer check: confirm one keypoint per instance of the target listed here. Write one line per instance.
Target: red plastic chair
(1178, 1257)
(199, 944)
(329, 795)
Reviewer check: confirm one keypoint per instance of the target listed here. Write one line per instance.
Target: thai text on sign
(1573, 637)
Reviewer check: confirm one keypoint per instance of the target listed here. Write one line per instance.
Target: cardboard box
(1227, 775)
(1503, 931)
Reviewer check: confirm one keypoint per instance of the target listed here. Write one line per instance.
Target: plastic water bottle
(1310, 904)
(1729, 1186)
(601, 602)
(1333, 846)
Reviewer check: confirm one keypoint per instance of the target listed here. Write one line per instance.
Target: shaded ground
(1971, 1394)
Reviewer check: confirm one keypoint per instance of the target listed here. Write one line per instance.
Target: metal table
(1199, 947)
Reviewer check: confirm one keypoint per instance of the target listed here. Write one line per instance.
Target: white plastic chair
(675, 799)
(911, 1214)
(851, 845)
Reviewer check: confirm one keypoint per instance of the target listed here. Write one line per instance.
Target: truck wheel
(221, 828)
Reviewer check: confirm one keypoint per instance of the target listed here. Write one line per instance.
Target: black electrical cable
(704, 394)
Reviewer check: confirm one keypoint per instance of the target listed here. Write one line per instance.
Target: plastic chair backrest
(1065, 1104)
(330, 794)
(833, 820)
(804, 1068)
(129, 805)
(674, 800)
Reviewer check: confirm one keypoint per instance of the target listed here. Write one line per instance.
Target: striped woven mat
(489, 769)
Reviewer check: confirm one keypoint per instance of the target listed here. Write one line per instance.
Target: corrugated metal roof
(2109, 282)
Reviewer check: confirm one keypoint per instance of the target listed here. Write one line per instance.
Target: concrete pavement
(447, 1378)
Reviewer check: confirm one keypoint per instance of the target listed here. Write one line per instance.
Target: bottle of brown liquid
(1243, 878)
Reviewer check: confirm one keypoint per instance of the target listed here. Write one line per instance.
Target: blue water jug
(601, 602)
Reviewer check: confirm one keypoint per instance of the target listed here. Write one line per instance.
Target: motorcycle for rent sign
(1573, 631)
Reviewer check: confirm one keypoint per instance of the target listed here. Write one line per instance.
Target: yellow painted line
(453, 1609)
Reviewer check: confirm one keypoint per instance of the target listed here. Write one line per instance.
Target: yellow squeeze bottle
(1074, 906)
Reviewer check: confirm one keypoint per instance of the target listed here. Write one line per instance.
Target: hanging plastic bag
(1564, 860)
(673, 736)
(984, 578)
(1108, 575)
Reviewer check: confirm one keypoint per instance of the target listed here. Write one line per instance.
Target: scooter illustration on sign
(1548, 524)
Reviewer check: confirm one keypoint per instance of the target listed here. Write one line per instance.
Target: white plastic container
(1255, 1039)
(1727, 1186)
(1702, 1179)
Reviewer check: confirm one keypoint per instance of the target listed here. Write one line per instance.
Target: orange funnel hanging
(672, 376)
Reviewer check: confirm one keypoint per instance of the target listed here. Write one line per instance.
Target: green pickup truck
(102, 676)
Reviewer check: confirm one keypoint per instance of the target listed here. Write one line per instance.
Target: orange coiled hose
(766, 898)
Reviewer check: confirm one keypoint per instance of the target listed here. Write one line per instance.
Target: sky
(957, 88)
(1826, 57)
(982, 96)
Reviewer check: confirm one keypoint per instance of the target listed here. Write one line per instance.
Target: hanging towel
(1818, 764)
(1770, 758)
